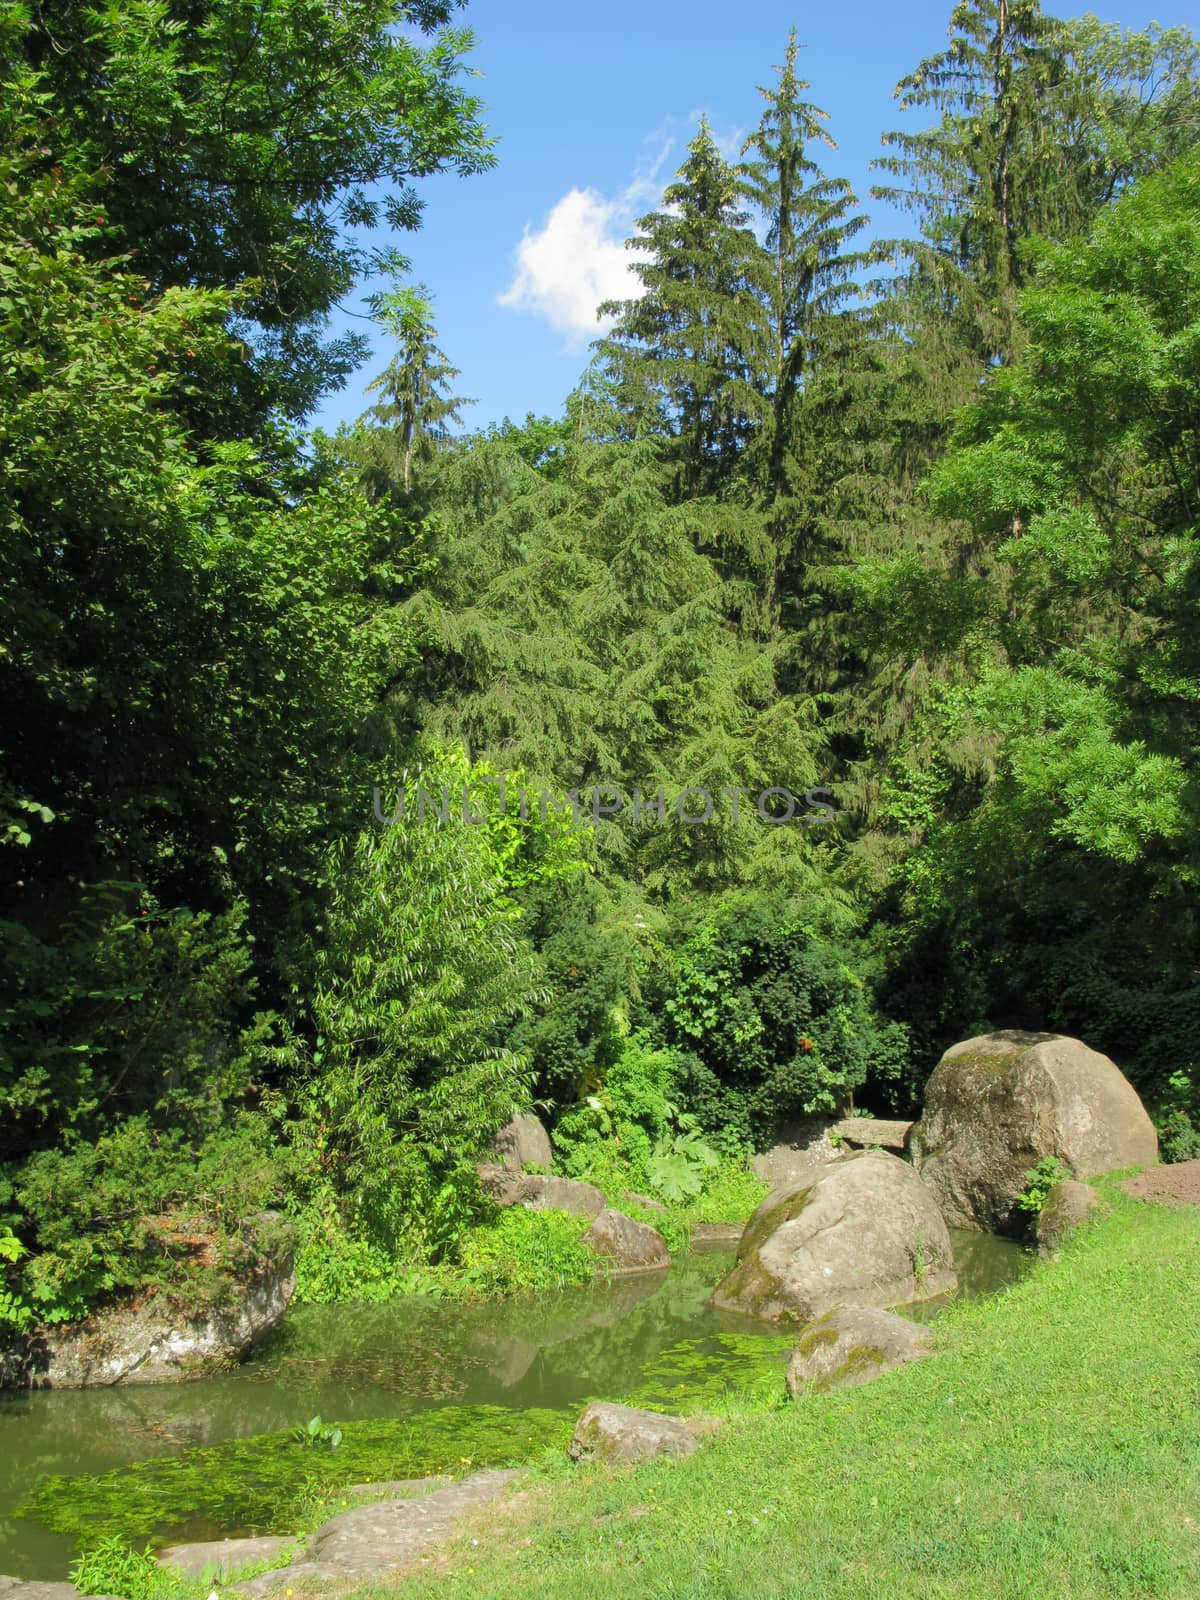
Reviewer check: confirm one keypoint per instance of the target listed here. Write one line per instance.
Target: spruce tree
(802, 276)
(679, 353)
(416, 410)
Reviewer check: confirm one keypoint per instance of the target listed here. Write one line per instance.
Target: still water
(643, 1338)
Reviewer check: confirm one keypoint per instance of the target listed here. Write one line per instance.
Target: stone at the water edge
(1070, 1205)
(996, 1105)
(382, 1539)
(631, 1246)
(853, 1344)
(862, 1231)
(607, 1432)
(522, 1142)
(154, 1342)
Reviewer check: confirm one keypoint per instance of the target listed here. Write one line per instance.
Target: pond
(416, 1385)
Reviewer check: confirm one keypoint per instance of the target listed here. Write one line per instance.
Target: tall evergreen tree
(680, 352)
(803, 280)
(416, 410)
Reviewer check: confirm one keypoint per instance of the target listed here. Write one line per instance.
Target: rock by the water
(862, 1231)
(152, 1342)
(1069, 1206)
(631, 1246)
(851, 1345)
(607, 1432)
(996, 1105)
(507, 1188)
(520, 1143)
(220, 1557)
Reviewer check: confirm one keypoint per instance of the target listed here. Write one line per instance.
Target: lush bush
(141, 1209)
(768, 1019)
(525, 1251)
(611, 1135)
(127, 1009)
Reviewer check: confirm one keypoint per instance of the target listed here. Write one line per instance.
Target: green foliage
(214, 184)
(525, 1251)
(1040, 1180)
(140, 1210)
(679, 1166)
(256, 1483)
(314, 1434)
(113, 1567)
(420, 966)
(769, 1020)
(1176, 1112)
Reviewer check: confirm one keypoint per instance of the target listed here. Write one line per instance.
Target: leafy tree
(1058, 871)
(247, 145)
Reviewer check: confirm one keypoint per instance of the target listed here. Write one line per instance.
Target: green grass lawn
(1050, 1450)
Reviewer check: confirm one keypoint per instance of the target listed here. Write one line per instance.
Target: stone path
(381, 1539)
(1179, 1182)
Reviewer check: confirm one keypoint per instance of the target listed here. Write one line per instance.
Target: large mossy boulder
(158, 1341)
(997, 1105)
(863, 1231)
(852, 1345)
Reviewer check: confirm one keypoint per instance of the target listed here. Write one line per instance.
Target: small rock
(644, 1201)
(713, 1234)
(851, 1345)
(607, 1432)
(522, 1142)
(1068, 1206)
(538, 1193)
(631, 1246)
(563, 1194)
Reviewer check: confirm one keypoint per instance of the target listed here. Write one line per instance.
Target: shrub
(523, 1251)
(767, 1018)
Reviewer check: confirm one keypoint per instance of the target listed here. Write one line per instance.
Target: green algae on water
(256, 1485)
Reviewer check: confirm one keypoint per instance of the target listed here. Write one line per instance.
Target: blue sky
(594, 105)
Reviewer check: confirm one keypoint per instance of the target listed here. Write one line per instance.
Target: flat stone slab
(876, 1132)
(20, 1589)
(382, 1538)
(223, 1556)
(717, 1233)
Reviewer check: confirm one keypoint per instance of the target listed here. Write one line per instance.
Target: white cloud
(577, 259)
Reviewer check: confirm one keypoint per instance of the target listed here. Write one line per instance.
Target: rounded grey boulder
(521, 1142)
(630, 1246)
(851, 1345)
(996, 1105)
(863, 1231)
(608, 1432)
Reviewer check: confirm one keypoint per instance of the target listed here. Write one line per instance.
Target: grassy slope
(1052, 1450)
